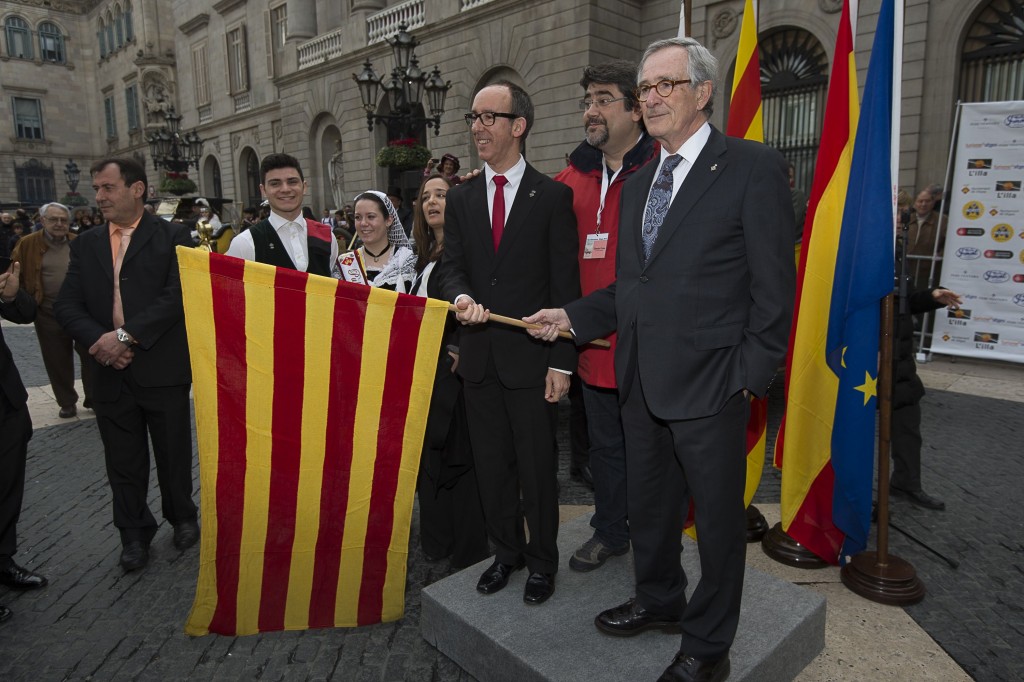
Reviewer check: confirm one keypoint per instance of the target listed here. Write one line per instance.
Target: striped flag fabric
(311, 399)
(803, 447)
(829, 428)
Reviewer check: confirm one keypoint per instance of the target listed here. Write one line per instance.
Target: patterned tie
(126, 238)
(298, 248)
(658, 203)
(498, 210)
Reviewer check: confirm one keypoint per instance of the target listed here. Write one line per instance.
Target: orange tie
(126, 237)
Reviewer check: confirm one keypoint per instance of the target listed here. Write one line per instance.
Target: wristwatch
(124, 337)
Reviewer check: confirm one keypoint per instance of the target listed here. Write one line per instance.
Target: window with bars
(200, 75)
(35, 182)
(238, 61)
(278, 35)
(51, 43)
(110, 116)
(992, 59)
(118, 28)
(131, 105)
(101, 38)
(129, 30)
(111, 45)
(28, 118)
(19, 38)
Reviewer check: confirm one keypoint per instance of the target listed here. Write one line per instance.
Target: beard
(597, 136)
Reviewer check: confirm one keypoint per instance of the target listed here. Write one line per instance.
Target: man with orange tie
(122, 299)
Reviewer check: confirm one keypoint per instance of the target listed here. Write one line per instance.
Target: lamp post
(403, 88)
(170, 149)
(72, 174)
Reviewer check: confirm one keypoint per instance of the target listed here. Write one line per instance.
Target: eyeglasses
(664, 88)
(59, 221)
(600, 103)
(487, 117)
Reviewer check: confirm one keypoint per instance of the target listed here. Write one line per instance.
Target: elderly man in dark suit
(702, 304)
(510, 246)
(16, 426)
(122, 299)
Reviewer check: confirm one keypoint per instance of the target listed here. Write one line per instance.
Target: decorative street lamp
(403, 89)
(171, 150)
(72, 174)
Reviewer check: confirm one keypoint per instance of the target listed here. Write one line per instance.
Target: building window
(200, 72)
(238, 61)
(118, 28)
(110, 115)
(111, 46)
(35, 183)
(131, 104)
(28, 118)
(992, 59)
(101, 37)
(278, 35)
(19, 40)
(129, 31)
(51, 43)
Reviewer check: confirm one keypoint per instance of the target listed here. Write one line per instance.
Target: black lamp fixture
(170, 149)
(403, 89)
(72, 174)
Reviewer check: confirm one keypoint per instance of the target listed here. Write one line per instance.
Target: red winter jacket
(596, 365)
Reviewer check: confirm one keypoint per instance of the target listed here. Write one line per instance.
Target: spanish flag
(311, 400)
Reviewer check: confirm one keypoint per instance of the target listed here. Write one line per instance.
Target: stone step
(499, 638)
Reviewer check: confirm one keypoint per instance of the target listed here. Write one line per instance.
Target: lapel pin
(271, 245)
(533, 192)
(714, 167)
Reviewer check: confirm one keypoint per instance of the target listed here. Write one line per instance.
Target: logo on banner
(1007, 189)
(968, 253)
(971, 232)
(1002, 232)
(1019, 279)
(1019, 300)
(973, 210)
(988, 338)
(979, 164)
(998, 254)
(1015, 121)
(997, 276)
(958, 317)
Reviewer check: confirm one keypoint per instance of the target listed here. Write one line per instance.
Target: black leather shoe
(688, 669)
(67, 412)
(186, 534)
(539, 586)
(19, 578)
(135, 555)
(496, 577)
(630, 618)
(918, 498)
(5, 613)
(87, 403)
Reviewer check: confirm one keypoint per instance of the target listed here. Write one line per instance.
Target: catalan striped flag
(311, 400)
(829, 429)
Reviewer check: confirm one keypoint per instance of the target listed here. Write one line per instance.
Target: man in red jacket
(616, 145)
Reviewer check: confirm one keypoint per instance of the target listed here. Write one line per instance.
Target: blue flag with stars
(863, 277)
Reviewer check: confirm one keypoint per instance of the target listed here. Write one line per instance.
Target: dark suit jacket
(709, 314)
(21, 310)
(535, 267)
(150, 297)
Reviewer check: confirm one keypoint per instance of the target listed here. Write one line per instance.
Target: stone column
(302, 19)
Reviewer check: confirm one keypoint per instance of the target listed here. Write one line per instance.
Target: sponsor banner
(984, 255)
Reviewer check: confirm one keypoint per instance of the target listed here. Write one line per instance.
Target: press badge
(596, 246)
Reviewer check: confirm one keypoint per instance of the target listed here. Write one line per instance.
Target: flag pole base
(757, 525)
(894, 583)
(780, 546)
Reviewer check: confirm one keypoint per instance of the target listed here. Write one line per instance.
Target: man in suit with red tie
(702, 304)
(510, 246)
(122, 299)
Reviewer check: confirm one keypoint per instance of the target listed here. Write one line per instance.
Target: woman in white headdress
(385, 259)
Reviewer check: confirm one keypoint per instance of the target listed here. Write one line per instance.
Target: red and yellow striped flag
(311, 400)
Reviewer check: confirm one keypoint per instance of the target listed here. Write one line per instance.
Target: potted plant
(403, 154)
(177, 184)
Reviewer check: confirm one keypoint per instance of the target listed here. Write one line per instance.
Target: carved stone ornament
(724, 24)
(59, 6)
(236, 140)
(830, 6)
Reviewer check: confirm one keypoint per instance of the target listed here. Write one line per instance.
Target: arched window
(111, 45)
(118, 28)
(794, 84)
(101, 37)
(129, 30)
(992, 58)
(19, 41)
(51, 43)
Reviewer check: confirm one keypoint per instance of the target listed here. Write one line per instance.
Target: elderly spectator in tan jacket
(44, 259)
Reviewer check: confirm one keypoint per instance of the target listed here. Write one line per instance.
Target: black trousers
(126, 426)
(667, 463)
(906, 447)
(15, 432)
(513, 434)
(56, 346)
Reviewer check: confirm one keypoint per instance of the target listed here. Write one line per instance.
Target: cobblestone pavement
(95, 622)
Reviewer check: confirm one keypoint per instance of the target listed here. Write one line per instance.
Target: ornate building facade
(80, 80)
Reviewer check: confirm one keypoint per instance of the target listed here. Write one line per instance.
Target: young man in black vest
(286, 239)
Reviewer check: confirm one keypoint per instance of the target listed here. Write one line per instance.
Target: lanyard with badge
(597, 243)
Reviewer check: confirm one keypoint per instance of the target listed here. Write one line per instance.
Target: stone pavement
(94, 622)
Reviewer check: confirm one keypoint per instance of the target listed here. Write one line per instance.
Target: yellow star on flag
(869, 388)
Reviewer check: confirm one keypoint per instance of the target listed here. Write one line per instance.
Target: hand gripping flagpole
(513, 322)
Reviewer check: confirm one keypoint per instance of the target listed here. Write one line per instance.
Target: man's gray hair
(53, 204)
(701, 65)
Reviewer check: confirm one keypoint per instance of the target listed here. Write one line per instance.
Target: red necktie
(498, 210)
